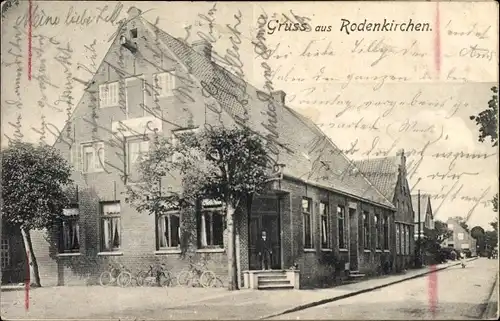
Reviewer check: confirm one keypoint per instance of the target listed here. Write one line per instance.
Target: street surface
(461, 294)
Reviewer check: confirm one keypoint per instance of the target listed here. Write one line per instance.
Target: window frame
(97, 147)
(168, 214)
(378, 237)
(160, 92)
(109, 102)
(73, 219)
(216, 209)
(385, 228)
(132, 140)
(127, 80)
(110, 217)
(5, 255)
(309, 214)
(398, 238)
(325, 215)
(342, 243)
(366, 230)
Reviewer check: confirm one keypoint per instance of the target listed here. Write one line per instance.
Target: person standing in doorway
(265, 251)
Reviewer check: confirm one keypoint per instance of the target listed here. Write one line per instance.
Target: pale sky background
(401, 91)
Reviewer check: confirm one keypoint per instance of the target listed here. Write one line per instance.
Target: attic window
(133, 33)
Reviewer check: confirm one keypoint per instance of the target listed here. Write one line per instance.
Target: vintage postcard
(249, 160)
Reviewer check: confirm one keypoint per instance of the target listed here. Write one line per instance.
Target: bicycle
(197, 274)
(159, 276)
(114, 275)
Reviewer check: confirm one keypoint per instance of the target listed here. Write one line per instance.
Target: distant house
(388, 175)
(426, 216)
(461, 239)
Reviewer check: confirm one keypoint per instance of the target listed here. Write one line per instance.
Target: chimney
(279, 96)
(203, 47)
(133, 12)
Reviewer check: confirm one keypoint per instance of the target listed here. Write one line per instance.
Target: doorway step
(355, 275)
(271, 279)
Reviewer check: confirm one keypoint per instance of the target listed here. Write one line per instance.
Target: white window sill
(343, 250)
(378, 251)
(367, 251)
(110, 254)
(220, 250)
(68, 254)
(326, 250)
(166, 95)
(166, 252)
(387, 251)
(93, 171)
(310, 250)
(108, 106)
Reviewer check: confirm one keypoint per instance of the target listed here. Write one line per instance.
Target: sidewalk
(491, 311)
(181, 303)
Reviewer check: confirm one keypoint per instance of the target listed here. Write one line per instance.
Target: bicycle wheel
(184, 277)
(124, 279)
(207, 278)
(141, 276)
(106, 278)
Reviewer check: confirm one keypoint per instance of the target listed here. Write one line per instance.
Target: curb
(491, 310)
(347, 295)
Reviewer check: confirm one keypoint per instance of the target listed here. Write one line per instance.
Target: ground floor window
(385, 224)
(69, 231)
(366, 230)
(341, 227)
(307, 220)
(5, 253)
(168, 230)
(407, 239)
(398, 238)
(110, 226)
(325, 225)
(211, 226)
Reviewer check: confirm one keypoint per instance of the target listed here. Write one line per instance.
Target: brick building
(318, 206)
(389, 176)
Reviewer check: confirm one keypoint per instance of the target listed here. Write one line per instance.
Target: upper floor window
(460, 236)
(70, 231)
(110, 226)
(307, 222)
(133, 33)
(137, 151)
(108, 94)
(450, 226)
(5, 253)
(324, 212)
(341, 227)
(92, 157)
(165, 84)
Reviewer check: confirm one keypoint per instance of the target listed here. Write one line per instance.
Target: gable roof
(424, 203)
(383, 172)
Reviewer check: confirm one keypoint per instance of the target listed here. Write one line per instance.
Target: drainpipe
(419, 233)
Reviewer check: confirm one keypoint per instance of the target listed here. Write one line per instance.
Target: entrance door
(268, 221)
(353, 239)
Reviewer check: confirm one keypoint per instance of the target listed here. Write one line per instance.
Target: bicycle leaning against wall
(115, 275)
(198, 274)
(155, 275)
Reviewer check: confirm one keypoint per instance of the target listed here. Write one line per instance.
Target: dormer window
(133, 33)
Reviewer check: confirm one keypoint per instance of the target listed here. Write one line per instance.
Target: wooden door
(271, 224)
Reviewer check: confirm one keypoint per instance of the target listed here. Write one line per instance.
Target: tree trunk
(231, 249)
(32, 263)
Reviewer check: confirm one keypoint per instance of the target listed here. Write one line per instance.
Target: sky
(372, 93)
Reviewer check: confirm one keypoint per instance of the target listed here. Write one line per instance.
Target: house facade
(426, 220)
(151, 83)
(389, 176)
(461, 239)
